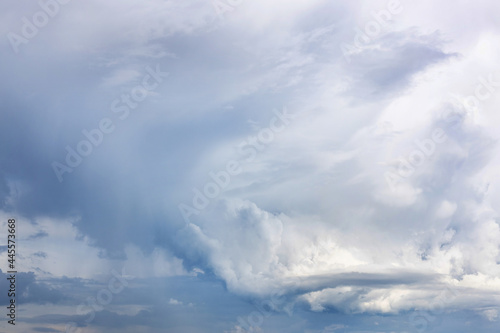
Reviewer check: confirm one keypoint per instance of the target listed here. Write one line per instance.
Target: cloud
(379, 198)
(435, 239)
(174, 302)
(39, 234)
(44, 329)
(29, 290)
(491, 314)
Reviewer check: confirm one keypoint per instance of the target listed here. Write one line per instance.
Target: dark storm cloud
(29, 290)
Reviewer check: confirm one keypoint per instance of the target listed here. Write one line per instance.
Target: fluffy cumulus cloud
(178, 164)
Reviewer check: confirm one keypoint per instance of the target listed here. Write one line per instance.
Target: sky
(235, 166)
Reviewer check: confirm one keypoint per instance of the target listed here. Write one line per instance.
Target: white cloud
(491, 314)
(158, 263)
(173, 301)
(49, 248)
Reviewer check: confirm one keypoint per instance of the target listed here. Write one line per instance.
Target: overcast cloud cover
(251, 166)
